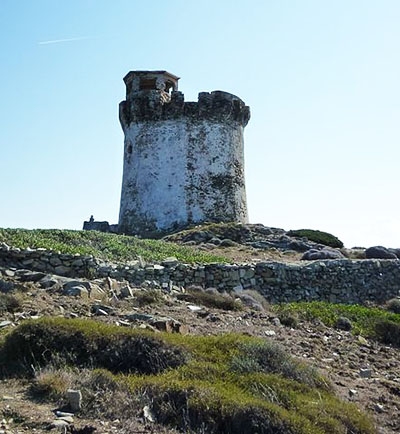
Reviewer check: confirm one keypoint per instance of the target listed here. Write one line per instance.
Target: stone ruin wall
(338, 281)
(183, 161)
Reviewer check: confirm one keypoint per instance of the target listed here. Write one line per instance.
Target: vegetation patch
(212, 299)
(317, 237)
(373, 322)
(216, 384)
(9, 303)
(146, 298)
(86, 343)
(109, 247)
(235, 232)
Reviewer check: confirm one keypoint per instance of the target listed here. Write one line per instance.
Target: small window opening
(168, 86)
(147, 84)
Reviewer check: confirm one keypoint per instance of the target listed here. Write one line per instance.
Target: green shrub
(145, 298)
(9, 303)
(51, 383)
(372, 322)
(86, 343)
(6, 286)
(289, 319)
(388, 332)
(211, 299)
(317, 237)
(393, 305)
(269, 357)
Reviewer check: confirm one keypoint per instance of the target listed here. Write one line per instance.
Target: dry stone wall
(339, 281)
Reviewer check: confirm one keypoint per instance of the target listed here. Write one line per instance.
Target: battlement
(153, 96)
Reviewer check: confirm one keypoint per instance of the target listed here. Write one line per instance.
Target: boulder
(48, 281)
(29, 276)
(396, 252)
(326, 253)
(379, 252)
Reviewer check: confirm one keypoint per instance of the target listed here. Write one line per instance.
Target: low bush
(373, 322)
(9, 303)
(211, 299)
(86, 343)
(51, 383)
(289, 319)
(256, 296)
(393, 305)
(317, 237)
(269, 357)
(6, 286)
(388, 332)
(145, 298)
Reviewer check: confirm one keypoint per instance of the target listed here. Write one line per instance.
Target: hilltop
(344, 344)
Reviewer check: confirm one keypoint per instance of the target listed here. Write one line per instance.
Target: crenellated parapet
(155, 105)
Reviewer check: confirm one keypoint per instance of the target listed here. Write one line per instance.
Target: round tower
(183, 161)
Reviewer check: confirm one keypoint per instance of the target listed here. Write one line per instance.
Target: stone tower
(183, 161)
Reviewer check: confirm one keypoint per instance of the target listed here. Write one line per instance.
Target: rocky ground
(362, 371)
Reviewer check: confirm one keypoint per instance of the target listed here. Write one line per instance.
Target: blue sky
(321, 78)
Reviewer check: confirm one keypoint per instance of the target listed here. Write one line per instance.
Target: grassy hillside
(110, 247)
(374, 322)
(228, 384)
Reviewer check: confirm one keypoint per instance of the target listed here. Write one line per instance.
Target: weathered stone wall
(183, 161)
(339, 281)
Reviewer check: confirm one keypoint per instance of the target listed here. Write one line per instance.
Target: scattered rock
(63, 414)
(48, 281)
(101, 309)
(74, 398)
(379, 252)
(126, 291)
(365, 373)
(251, 302)
(194, 308)
(5, 323)
(325, 253)
(148, 414)
(276, 321)
(29, 276)
(216, 241)
(396, 252)
(73, 283)
(227, 243)
(77, 291)
(68, 419)
(269, 332)
(58, 423)
(9, 273)
(170, 262)
(169, 326)
(362, 341)
(137, 316)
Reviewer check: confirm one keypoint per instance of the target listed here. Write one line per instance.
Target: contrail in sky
(56, 41)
